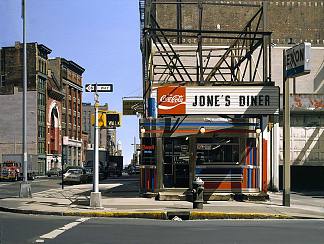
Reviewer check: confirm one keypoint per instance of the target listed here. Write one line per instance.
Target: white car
(76, 176)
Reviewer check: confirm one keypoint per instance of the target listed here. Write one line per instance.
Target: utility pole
(25, 188)
(286, 134)
(134, 153)
(95, 198)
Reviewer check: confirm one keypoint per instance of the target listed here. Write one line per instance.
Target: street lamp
(25, 187)
(142, 130)
(202, 130)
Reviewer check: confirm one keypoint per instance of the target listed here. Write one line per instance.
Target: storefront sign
(298, 60)
(132, 106)
(218, 100)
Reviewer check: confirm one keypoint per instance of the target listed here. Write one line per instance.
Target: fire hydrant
(198, 193)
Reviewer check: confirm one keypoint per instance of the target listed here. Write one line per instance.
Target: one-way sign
(100, 87)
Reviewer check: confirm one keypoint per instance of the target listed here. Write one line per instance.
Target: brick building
(54, 103)
(296, 20)
(69, 74)
(55, 97)
(11, 102)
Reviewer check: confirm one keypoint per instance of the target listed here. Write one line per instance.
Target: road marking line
(39, 241)
(53, 234)
(6, 184)
(37, 181)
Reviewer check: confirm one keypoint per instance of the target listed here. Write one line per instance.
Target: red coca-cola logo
(172, 100)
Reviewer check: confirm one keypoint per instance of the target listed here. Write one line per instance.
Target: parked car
(76, 175)
(54, 171)
(72, 167)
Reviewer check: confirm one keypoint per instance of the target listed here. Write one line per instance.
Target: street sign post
(296, 62)
(100, 87)
(95, 197)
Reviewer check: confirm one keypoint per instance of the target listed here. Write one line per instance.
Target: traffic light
(102, 122)
(113, 119)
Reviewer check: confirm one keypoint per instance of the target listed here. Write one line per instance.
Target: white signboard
(298, 60)
(252, 100)
(100, 87)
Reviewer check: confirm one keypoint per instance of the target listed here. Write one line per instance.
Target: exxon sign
(298, 60)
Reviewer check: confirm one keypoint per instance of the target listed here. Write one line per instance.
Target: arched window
(54, 118)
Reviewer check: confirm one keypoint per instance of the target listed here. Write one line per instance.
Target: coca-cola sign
(172, 100)
(205, 100)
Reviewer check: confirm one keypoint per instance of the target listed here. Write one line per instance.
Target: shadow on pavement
(313, 194)
(128, 190)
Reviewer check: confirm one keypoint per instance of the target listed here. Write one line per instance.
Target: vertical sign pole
(95, 198)
(96, 151)
(286, 132)
(25, 188)
(62, 159)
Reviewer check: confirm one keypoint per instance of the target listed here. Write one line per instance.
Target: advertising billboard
(252, 100)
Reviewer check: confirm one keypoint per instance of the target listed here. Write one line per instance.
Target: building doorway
(176, 163)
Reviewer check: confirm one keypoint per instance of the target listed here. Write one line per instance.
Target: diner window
(217, 150)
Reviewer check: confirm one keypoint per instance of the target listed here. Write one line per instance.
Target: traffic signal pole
(95, 198)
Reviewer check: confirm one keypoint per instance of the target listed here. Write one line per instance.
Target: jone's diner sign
(179, 100)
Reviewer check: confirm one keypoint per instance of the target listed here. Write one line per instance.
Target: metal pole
(96, 149)
(265, 41)
(286, 132)
(95, 198)
(62, 160)
(25, 189)
(275, 150)
(24, 94)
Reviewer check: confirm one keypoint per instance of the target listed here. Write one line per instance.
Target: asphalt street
(11, 189)
(18, 228)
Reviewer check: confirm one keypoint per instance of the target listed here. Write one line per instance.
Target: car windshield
(74, 171)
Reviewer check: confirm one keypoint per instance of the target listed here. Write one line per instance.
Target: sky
(102, 36)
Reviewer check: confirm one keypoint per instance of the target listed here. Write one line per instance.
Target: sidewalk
(121, 201)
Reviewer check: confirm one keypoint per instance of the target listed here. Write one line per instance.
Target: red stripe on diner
(223, 185)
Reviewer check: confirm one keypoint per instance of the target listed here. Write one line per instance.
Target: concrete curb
(161, 215)
(121, 214)
(27, 211)
(222, 215)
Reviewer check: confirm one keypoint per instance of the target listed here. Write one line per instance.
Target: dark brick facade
(12, 66)
(299, 20)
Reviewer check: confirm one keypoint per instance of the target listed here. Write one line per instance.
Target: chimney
(17, 44)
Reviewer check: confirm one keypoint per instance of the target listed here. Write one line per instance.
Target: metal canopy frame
(245, 59)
